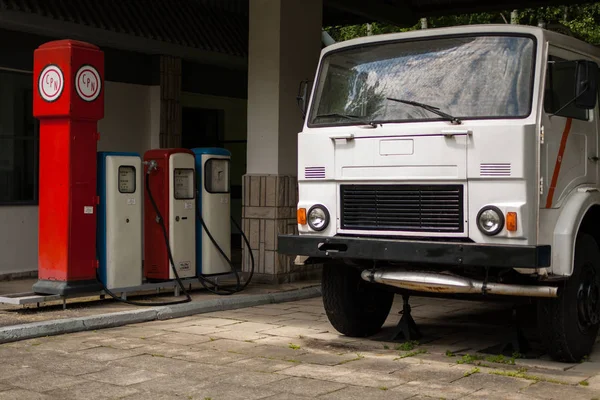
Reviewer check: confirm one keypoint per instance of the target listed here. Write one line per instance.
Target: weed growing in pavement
(386, 347)
(450, 354)
(407, 346)
(471, 372)
(522, 373)
(358, 357)
(294, 346)
(476, 359)
(411, 354)
(584, 383)
(469, 359)
(383, 388)
(500, 359)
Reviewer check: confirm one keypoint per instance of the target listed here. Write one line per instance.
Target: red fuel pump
(169, 214)
(69, 102)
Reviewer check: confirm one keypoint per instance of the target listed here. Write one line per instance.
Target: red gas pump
(169, 214)
(69, 102)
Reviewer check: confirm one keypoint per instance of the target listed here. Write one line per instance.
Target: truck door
(569, 147)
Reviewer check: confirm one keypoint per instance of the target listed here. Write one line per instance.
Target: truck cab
(457, 161)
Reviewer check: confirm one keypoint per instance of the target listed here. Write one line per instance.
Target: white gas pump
(119, 228)
(212, 176)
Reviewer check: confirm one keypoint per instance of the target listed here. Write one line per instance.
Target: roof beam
(32, 23)
(395, 12)
(468, 7)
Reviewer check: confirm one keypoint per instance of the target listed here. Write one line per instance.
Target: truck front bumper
(416, 252)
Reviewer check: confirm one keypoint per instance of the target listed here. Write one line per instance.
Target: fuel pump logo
(185, 266)
(51, 83)
(88, 83)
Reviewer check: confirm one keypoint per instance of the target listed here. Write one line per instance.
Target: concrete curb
(58, 327)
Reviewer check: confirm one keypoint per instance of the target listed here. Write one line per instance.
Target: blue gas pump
(213, 203)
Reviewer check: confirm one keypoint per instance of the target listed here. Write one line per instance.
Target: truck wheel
(569, 324)
(354, 307)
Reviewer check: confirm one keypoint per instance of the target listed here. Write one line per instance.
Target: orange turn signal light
(511, 221)
(301, 216)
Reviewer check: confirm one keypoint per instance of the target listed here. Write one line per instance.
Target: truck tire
(354, 307)
(568, 325)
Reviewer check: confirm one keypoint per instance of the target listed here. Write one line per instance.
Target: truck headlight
(490, 220)
(318, 217)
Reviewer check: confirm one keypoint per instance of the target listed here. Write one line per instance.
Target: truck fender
(567, 226)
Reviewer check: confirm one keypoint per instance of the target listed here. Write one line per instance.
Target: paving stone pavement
(289, 351)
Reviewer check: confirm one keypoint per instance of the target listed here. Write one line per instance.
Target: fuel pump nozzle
(152, 165)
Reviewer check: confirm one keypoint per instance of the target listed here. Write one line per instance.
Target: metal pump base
(65, 288)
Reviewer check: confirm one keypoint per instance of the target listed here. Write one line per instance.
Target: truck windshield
(465, 77)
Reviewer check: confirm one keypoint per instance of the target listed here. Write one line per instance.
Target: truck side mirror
(586, 89)
(302, 97)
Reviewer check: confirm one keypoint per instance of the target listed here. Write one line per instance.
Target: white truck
(460, 161)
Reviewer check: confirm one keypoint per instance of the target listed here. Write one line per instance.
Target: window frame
(548, 82)
(322, 71)
(36, 146)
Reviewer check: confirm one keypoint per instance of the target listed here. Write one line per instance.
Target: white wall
(18, 239)
(131, 123)
(131, 118)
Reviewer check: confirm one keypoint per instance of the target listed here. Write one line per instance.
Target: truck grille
(412, 208)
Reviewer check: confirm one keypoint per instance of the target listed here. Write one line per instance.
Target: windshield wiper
(429, 108)
(350, 117)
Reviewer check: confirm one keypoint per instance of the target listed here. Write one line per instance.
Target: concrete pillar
(170, 102)
(284, 48)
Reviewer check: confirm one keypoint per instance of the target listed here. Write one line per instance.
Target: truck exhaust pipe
(450, 284)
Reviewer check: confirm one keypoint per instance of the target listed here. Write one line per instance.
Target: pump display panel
(183, 183)
(126, 179)
(216, 178)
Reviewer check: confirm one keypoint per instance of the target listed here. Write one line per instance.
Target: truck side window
(560, 89)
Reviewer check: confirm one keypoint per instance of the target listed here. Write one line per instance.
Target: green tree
(582, 21)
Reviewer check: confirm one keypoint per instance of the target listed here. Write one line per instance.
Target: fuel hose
(212, 286)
